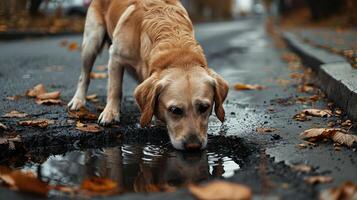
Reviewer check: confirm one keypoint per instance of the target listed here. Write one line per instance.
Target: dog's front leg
(111, 111)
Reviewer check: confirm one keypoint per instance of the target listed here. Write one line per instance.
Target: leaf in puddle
(37, 90)
(345, 191)
(318, 179)
(49, 102)
(302, 168)
(265, 130)
(221, 190)
(336, 134)
(82, 113)
(25, 182)
(90, 128)
(99, 185)
(15, 114)
(95, 75)
(2, 126)
(241, 86)
(42, 123)
(49, 95)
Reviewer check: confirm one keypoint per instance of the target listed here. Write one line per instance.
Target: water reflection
(136, 168)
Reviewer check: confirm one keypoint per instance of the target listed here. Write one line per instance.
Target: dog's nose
(192, 143)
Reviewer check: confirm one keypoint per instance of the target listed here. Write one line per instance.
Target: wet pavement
(137, 157)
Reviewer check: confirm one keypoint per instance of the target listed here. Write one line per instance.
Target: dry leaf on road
(221, 190)
(37, 90)
(24, 182)
(336, 134)
(49, 95)
(82, 113)
(265, 130)
(344, 192)
(42, 123)
(241, 86)
(90, 128)
(15, 114)
(318, 179)
(49, 102)
(302, 116)
(95, 75)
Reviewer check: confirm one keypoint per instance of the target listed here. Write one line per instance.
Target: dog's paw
(108, 116)
(76, 103)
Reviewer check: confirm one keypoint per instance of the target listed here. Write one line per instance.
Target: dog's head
(183, 98)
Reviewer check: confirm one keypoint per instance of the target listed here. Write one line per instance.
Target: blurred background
(55, 16)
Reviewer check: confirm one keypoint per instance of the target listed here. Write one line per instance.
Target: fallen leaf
(82, 113)
(301, 117)
(92, 98)
(25, 182)
(347, 123)
(73, 46)
(42, 123)
(95, 75)
(317, 112)
(49, 102)
(338, 112)
(290, 57)
(221, 190)
(336, 134)
(90, 128)
(346, 191)
(305, 88)
(2, 126)
(15, 114)
(49, 95)
(241, 86)
(302, 168)
(99, 185)
(318, 179)
(265, 130)
(37, 90)
(296, 75)
(282, 82)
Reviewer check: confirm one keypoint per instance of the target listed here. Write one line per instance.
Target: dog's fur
(154, 40)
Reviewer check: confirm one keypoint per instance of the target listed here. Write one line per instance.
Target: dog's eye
(176, 110)
(202, 108)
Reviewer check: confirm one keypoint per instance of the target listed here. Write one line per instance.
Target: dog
(154, 41)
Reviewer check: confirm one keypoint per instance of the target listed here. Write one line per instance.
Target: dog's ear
(220, 93)
(146, 95)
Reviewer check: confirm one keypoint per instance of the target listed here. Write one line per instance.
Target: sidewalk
(333, 55)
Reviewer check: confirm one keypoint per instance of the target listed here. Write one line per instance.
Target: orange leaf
(42, 123)
(240, 86)
(37, 90)
(221, 190)
(90, 128)
(82, 113)
(94, 75)
(99, 185)
(49, 95)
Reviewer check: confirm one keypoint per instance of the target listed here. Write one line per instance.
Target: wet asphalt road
(240, 51)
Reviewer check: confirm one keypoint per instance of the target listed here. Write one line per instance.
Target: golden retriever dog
(154, 41)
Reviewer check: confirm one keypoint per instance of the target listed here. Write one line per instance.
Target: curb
(336, 77)
(14, 35)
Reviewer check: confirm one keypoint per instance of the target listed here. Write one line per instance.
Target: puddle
(138, 167)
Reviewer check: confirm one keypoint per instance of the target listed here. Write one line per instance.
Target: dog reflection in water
(136, 172)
